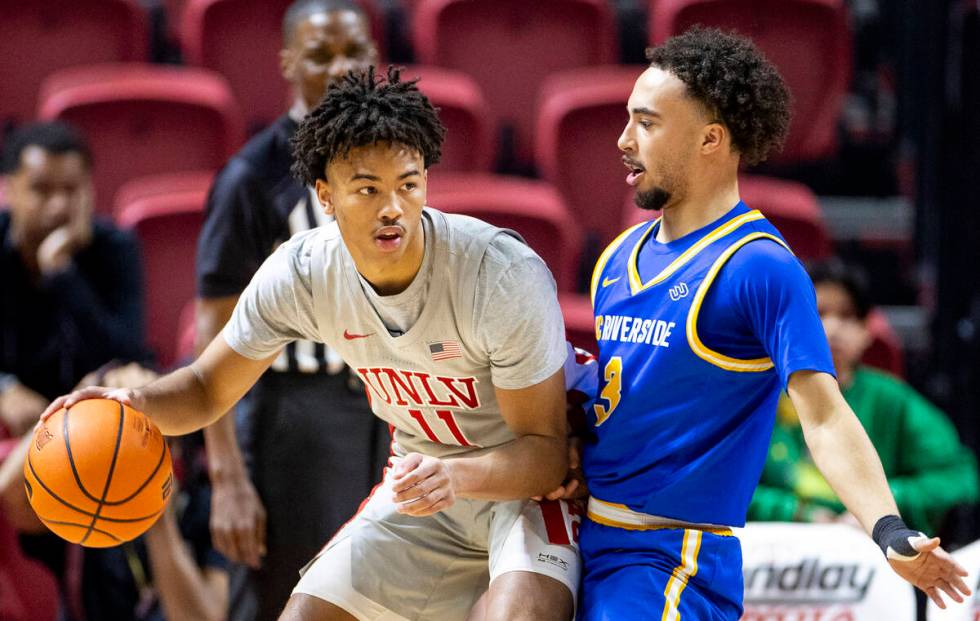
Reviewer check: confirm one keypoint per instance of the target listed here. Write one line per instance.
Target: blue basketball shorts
(664, 574)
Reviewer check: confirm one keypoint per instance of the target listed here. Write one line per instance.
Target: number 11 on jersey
(446, 416)
(611, 390)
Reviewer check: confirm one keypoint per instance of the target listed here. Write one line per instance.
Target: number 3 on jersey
(611, 390)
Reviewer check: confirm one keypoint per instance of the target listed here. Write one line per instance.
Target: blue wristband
(895, 538)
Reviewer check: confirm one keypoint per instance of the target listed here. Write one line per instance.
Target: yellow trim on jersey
(620, 516)
(604, 257)
(681, 575)
(728, 363)
(637, 285)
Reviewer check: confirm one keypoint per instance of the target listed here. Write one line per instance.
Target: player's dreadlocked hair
(735, 82)
(361, 110)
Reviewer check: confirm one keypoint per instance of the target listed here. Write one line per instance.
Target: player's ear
(713, 138)
(323, 193)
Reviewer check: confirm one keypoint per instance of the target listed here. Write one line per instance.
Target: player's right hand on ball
(126, 396)
(422, 485)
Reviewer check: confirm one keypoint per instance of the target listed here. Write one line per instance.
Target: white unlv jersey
(433, 383)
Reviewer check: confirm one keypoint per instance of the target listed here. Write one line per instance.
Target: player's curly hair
(361, 110)
(735, 82)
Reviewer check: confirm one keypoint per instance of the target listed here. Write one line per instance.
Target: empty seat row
(143, 119)
(507, 46)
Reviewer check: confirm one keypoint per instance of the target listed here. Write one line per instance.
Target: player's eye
(366, 191)
(410, 186)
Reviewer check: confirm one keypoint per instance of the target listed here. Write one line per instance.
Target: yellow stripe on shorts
(681, 574)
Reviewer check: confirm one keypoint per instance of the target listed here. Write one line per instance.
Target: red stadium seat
(464, 112)
(885, 351)
(532, 208)
(581, 114)
(793, 209)
(241, 40)
(28, 590)
(166, 213)
(173, 10)
(808, 40)
(509, 46)
(790, 206)
(37, 38)
(144, 120)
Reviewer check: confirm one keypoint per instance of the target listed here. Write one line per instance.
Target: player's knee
(301, 607)
(525, 596)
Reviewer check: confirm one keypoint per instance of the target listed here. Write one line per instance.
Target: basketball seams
(71, 457)
(144, 484)
(112, 469)
(95, 530)
(63, 503)
(44, 486)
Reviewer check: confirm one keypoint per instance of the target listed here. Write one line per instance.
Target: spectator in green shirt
(928, 469)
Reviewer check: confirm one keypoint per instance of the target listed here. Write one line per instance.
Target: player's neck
(697, 210)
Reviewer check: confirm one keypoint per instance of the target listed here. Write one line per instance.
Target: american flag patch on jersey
(445, 350)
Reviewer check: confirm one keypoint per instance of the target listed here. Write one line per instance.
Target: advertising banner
(817, 572)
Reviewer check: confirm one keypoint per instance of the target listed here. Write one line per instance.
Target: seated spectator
(71, 286)
(928, 469)
(72, 298)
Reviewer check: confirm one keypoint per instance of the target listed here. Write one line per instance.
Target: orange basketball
(99, 473)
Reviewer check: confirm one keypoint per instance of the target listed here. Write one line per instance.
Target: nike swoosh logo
(608, 281)
(351, 337)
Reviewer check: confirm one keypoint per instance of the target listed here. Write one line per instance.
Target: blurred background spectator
(930, 472)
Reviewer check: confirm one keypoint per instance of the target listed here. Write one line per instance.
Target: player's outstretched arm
(189, 398)
(846, 457)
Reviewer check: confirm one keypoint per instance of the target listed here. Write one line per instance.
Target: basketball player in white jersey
(455, 329)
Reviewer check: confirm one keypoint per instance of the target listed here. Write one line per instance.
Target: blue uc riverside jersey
(681, 430)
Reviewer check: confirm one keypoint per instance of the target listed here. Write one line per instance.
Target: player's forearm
(841, 449)
(185, 590)
(177, 402)
(531, 465)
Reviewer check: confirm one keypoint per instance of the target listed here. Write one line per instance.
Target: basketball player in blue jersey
(703, 317)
